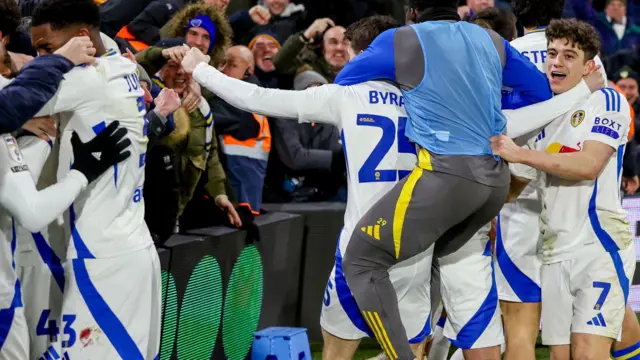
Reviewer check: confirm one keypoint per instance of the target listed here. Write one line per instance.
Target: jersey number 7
(369, 171)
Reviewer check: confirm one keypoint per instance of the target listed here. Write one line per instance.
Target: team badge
(12, 148)
(196, 23)
(576, 118)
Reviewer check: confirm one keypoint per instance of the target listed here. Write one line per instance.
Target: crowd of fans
(213, 164)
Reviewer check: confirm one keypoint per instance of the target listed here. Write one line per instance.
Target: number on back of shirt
(132, 81)
(369, 172)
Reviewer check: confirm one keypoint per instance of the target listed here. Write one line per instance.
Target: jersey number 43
(369, 171)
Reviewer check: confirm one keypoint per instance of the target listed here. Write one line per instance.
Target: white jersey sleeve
(608, 118)
(317, 104)
(35, 152)
(525, 120)
(33, 209)
(81, 87)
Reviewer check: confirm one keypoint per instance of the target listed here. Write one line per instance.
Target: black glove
(107, 144)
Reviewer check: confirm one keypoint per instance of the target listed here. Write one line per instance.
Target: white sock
(457, 355)
(440, 347)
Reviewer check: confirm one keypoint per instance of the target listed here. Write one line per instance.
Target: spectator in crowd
(616, 30)
(500, 20)
(246, 138)
(200, 26)
(17, 44)
(308, 158)
(627, 80)
(145, 28)
(466, 12)
(280, 17)
(333, 52)
(265, 45)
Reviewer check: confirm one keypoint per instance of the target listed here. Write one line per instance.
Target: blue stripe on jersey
(441, 321)
(472, 330)
(523, 287)
(607, 98)
(81, 248)
(97, 129)
(104, 316)
(607, 242)
(426, 331)
(344, 149)
(7, 315)
(345, 296)
(50, 258)
(619, 159)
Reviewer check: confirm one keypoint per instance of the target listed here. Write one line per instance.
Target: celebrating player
(362, 112)
(109, 244)
(587, 249)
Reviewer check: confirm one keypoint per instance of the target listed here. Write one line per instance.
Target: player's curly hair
(60, 14)
(499, 20)
(362, 32)
(578, 33)
(9, 17)
(422, 5)
(177, 27)
(534, 13)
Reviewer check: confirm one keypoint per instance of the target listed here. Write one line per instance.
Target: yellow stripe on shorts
(402, 205)
(424, 160)
(368, 317)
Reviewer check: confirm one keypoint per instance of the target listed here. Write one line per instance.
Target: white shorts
(411, 280)
(586, 295)
(469, 295)
(112, 307)
(517, 262)
(41, 275)
(14, 335)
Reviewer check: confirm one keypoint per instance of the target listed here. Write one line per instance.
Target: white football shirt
(108, 219)
(583, 217)
(371, 117)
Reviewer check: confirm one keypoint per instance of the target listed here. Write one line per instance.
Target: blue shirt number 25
(369, 171)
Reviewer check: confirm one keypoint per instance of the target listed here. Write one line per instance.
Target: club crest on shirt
(12, 148)
(576, 118)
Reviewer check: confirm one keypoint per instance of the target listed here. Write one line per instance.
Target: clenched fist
(193, 58)
(167, 102)
(504, 147)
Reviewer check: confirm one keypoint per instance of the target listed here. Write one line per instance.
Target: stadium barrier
(218, 288)
(323, 223)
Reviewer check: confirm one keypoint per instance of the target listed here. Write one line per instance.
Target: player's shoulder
(82, 73)
(115, 65)
(529, 41)
(608, 100)
(10, 154)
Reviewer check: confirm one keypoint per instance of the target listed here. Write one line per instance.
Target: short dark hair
(422, 5)
(9, 17)
(534, 13)
(362, 32)
(63, 13)
(577, 33)
(499, 20)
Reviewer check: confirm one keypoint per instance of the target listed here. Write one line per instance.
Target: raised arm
(317, 104)
(533, 117)
(528, 84)
(36, 84)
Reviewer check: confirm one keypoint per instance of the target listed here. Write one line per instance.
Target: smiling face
(264, 51)
(336, 47)
(199, 38)
(276, 7)
(566, 65)
(175, 77)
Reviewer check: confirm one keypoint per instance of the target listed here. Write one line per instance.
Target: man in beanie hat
(265, 45)
(617, 31)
